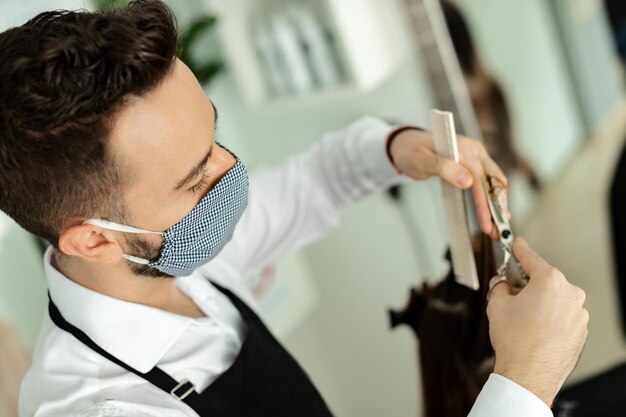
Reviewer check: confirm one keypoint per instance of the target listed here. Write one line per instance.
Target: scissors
(496, 195)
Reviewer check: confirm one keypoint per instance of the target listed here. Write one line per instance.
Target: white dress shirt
(288, 207)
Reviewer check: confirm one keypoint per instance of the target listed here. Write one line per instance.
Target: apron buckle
(185, 386)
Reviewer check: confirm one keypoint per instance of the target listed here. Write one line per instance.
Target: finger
(504, 204)
(453, 173)
(527, 258)
(480, 197)
(495, 235)
(492, 169)
(482, 209)
(498, 288)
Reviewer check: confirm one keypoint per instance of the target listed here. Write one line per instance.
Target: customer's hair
(64, 76)
(455, 353)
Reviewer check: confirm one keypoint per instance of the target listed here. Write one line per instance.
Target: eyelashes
(204, 181)
(202, 184)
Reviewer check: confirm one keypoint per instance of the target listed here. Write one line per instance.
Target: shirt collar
(136, 334)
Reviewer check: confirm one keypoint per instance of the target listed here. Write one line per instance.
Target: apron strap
(182, 391)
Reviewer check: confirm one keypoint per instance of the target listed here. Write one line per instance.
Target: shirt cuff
(392, 135)
(504, 398)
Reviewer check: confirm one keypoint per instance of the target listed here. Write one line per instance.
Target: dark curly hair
(64, 76)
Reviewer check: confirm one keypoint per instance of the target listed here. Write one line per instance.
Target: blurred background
(541, 81)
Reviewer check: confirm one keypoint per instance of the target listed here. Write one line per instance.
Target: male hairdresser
(108, 152)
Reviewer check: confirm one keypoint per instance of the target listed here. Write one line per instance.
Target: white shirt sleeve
(101, 410)
(504, 398)
(299, 201)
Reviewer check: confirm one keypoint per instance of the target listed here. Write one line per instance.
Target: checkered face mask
(200, 235)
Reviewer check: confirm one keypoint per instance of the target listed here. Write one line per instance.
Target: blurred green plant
(109, 4)
(205, 70)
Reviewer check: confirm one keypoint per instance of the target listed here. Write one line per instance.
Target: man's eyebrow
(197, 169)
(215, 115)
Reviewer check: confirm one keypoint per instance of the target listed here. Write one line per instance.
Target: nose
(222, 162)
(226, 157)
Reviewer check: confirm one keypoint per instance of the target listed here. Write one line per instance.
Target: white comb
(454, 203)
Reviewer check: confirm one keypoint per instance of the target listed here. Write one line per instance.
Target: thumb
(528, 259)
(454, 173)
(499, 288)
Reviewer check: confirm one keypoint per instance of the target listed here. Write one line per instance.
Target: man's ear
(91, 243)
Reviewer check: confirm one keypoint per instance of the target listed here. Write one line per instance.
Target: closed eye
(202, 184)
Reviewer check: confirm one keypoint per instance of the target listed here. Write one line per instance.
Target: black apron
(265, 380)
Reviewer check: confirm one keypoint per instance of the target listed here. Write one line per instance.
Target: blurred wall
(16, 12)
(594, 66)
(519, 42)
(23, 295)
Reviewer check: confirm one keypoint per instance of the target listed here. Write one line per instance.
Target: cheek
(144, 246)
(157, 210)
(155, 241)
(159, 213)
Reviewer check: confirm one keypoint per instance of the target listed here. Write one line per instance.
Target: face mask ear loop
(136, 259)
(123, 228)
(119, 227)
